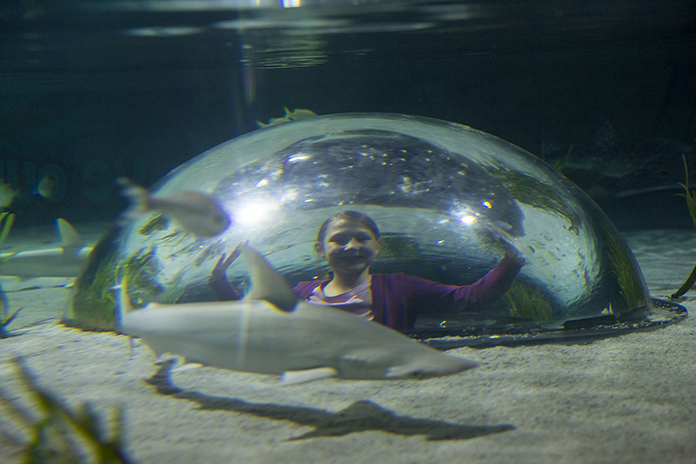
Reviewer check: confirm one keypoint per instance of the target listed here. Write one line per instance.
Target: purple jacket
(397, 297)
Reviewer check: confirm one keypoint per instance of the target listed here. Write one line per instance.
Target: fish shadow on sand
(361, 416)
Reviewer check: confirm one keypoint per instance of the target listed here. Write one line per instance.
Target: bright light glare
(297, 158)
(464, 216)
(254, 213)
(468, 219)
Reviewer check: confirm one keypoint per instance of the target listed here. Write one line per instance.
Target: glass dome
(441, 194)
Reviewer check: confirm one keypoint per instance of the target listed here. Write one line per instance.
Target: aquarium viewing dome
(441, 194)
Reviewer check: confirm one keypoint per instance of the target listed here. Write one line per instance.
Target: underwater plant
(92, 306)
(528, 302)
(395, 246)
(690, 196)
(7, 195)
(6, 221)
(159, 222)
(534, 193)
(6, 318)
(620, 266)
(558, 164)
(59, 434)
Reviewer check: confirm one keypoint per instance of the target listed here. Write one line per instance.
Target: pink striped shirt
(357, 301)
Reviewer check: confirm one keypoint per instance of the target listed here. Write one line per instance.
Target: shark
(271, 332)
(64, 260)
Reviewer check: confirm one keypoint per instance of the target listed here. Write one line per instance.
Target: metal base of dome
(573, 331)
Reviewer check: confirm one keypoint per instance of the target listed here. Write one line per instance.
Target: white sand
(630, 399)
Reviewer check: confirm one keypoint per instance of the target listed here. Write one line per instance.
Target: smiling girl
(350, 241)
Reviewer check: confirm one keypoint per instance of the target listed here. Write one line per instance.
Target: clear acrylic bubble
(442, 195)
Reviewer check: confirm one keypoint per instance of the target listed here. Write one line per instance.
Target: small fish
(194, 212)
(7, 195)
(272, 122)
(47, 186)
(297, 113)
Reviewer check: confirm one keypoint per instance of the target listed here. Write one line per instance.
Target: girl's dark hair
(352, 216)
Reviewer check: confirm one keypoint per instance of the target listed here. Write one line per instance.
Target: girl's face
(348, 246)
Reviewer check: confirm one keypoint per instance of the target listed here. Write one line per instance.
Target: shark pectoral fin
(186, 367)
(266, 283)
(425, 368)
(307, 375)
(401, 372)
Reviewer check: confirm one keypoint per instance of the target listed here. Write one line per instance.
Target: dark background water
(96, 90)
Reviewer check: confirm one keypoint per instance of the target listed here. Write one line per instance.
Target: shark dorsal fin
(266, 283)
(67, 235)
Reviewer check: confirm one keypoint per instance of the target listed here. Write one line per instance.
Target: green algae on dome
(441, 193)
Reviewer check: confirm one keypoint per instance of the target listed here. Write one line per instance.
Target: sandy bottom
(629, 399)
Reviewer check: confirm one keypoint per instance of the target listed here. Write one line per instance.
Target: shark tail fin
(67, 235)
(266, 283)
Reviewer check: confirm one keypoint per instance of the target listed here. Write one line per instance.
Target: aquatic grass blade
(691, 206)
(6, 221)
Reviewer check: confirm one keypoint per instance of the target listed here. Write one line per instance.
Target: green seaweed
(93, 305)
(141, 269)
(690, 196)
(529, 190)
(6, 221)
(5, 322)
(60, 434)
(209, 253)
(623, 268)
(172, 293)
(559, 164)
(528, 302)
(399, 247)
(159, 222)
